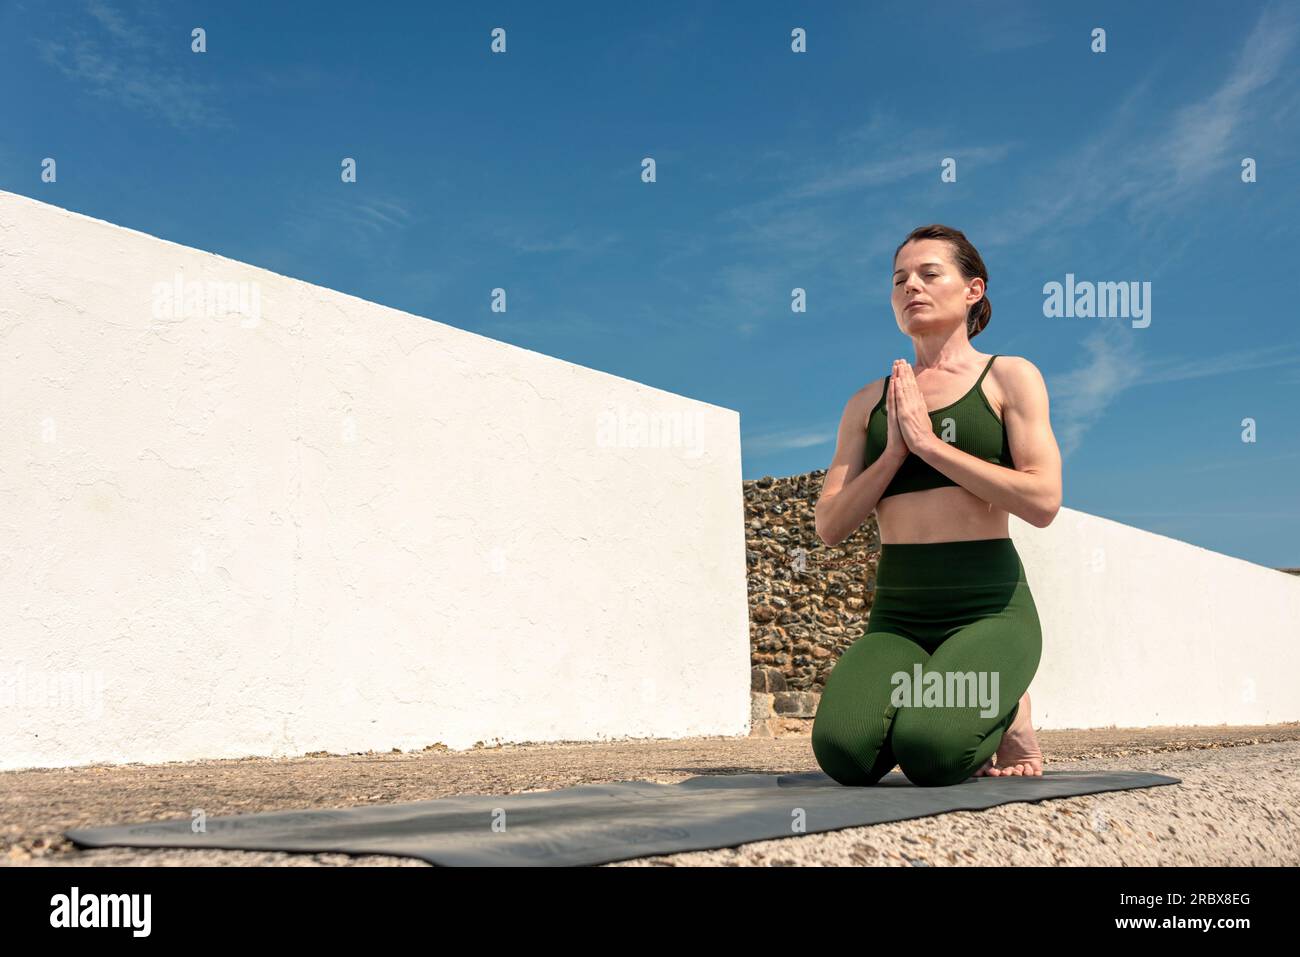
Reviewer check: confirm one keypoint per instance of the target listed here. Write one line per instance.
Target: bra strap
(986, 370)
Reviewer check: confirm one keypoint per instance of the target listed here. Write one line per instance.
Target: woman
(942, 454)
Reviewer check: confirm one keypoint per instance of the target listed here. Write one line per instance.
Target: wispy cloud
(310, 229)
(873, 174)
(797, 227)
(523, 241)
(116, 25)
(1178, 369)
(361, 220)
(783, 441)
(1200, 137)
(741, 295)
(785, 219)
(1009, 26)
(1153, 166)
(1114, 364)
(1149, 167)
(287, 75)
(128, 63)
(1080, 396)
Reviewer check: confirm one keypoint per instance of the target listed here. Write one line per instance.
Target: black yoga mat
(598, 823)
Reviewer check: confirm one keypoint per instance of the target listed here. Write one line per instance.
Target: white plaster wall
(338, 527)
(342, 527)
(1142, 630)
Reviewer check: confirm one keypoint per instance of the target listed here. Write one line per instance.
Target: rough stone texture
(807, 602)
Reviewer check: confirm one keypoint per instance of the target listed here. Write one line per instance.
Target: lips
(912, 304)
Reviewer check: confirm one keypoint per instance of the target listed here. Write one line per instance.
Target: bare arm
(850, 491)
(1032, 490)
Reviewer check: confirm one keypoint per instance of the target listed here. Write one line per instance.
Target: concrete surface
(230, 534)
(1239, 803)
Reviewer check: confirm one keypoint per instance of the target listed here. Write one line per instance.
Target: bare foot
(1018, 753)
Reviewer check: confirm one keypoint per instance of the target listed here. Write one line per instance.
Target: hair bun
(978, 317)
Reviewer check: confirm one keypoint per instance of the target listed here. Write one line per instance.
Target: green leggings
(959, 617)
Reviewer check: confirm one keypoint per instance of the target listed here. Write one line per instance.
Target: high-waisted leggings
(963, 613)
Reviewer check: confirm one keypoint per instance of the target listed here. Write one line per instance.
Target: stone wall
(807, 602)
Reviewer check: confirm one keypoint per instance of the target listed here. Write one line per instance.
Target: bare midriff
(947, 514)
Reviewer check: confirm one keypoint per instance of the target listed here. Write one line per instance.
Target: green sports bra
(969, 424)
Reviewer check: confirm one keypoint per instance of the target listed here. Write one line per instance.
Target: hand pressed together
(907, 407)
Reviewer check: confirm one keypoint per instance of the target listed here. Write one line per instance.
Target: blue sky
(775, 170)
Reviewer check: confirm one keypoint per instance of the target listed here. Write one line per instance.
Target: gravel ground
(1239, 803)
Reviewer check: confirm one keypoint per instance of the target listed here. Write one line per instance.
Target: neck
(950, 351)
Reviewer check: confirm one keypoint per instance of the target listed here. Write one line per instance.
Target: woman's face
(924, 274)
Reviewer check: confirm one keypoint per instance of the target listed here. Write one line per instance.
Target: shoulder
(870, 394)
(1015, 372)
(866, 398)
(861, 402)
(1017, 378)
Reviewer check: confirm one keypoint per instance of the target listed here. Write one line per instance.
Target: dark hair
(969, 263)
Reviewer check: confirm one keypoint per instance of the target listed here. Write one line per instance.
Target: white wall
(324, 524)
(1142, 630)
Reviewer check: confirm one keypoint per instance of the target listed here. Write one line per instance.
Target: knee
(925, 757)
(839, 757)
